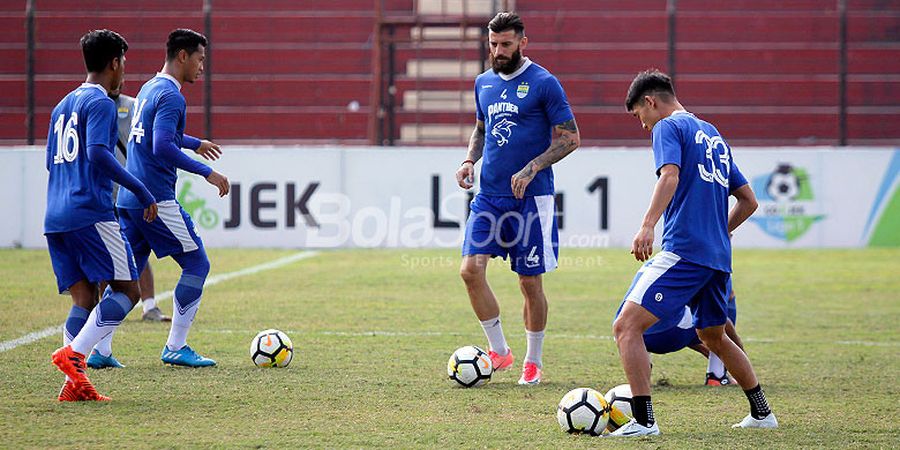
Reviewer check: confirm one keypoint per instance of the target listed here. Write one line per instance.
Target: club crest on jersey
(522, 90)
(502, 130)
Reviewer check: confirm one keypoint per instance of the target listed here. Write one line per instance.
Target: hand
(519, 182)
(220, 181)
(465, 175)
(150, 213)
(209, 150)
(642, 247)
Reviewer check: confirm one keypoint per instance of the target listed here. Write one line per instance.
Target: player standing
(696, 176)
(85, 243)
(530, 128)
(154, 155)
(101, 357)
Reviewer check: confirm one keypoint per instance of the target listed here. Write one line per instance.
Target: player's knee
(713, 338)
(623, 328)
(471, 274)
(129, 288)
(195, 263)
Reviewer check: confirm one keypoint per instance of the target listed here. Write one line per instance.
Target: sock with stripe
(74, 323)
(188, 292)
(105, 317)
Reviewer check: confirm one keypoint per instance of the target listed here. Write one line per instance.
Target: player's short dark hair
(100, 47)
(507, 21)
(184, 39)
(649, 82)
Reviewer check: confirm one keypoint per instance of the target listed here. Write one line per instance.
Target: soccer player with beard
(523, 126)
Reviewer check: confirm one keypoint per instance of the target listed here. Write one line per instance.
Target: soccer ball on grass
(583, 410)
(470, 366)
(271, 348)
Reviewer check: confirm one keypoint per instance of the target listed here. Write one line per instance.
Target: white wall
(382, 197)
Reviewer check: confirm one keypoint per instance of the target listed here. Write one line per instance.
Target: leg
(481, 297)
(735, 359)
(148, 290)
(535, 302)
(188, 293)
(628, 330)
(474, 274)
(535, 322)
(152, 312)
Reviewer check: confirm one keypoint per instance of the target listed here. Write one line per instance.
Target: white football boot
(766, 422)
(634, 429)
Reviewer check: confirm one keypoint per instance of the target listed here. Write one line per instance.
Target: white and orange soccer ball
(271, 348)
(470, 366)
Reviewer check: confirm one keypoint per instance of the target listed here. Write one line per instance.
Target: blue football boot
(185, 357)
(98, 361)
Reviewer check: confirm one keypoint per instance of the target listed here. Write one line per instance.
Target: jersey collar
(525, 64)
(94, 85)
(679, 111)
(170, 78)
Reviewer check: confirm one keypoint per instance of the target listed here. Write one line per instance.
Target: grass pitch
(373, 330)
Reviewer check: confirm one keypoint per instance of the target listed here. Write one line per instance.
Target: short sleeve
(666, 144)
(556, 104)
(102, 125)
(735, 177)
(479, 114)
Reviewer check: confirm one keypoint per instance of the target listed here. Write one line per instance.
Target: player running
(85, 243)
(696, 174)
(523, 126)
(154, 155)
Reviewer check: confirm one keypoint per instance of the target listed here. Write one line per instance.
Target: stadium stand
(282, 71)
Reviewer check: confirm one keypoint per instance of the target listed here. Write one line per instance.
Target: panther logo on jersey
(502, 130)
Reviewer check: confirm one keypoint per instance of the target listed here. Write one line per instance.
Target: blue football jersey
(79, 195)
(159, 104)
(519, 112)
(696, 220)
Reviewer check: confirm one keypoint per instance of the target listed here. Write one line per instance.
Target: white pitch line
(29, 338)
(577, 337)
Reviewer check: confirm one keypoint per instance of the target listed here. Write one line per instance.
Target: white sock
(103, 320)
(149, 303)
(715, 366)
(535, 347)
(181, 325)
(104, 347)
(494, 332)
(91, 334)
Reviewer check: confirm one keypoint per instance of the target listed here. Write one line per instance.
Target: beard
(506, 66)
